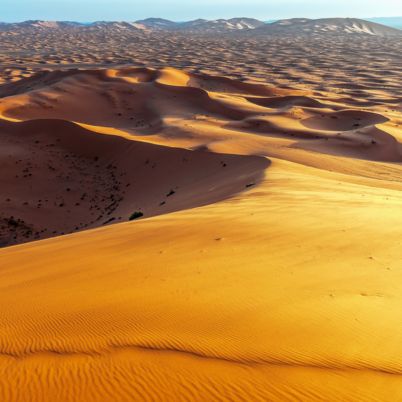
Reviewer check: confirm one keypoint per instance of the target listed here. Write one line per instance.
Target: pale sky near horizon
(181, 10)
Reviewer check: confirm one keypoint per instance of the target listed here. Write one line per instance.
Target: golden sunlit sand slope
(284, 287)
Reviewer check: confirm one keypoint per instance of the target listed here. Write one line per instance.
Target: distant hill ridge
(248, 26)
(344, 26)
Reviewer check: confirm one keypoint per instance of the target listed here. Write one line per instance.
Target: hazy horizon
(396, 19)
(180, 10)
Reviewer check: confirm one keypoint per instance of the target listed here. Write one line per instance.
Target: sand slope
(57, 177)
(289, 290)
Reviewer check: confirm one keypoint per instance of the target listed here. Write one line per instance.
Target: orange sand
(283, 288)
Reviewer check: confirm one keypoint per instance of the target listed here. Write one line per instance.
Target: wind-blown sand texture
(278, 274)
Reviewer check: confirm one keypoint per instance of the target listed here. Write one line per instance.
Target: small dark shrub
(135, 215)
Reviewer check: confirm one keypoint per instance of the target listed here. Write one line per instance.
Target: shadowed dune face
(286, 102)
(344, 121)
(57, 178)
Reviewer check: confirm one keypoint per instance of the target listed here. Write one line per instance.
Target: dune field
(262, 259)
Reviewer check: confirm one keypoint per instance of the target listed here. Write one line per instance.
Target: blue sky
(180, 10)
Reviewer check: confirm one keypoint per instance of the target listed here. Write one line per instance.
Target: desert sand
(266, 265)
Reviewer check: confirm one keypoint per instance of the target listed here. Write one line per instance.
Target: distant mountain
(49, 24)
(221, 25)
(116, 25)
(38, 25)
(247, 26)
(339, 26)
(201, 25)
(158, 24)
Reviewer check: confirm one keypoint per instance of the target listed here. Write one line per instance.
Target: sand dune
(133, 99)
(267, 267)
(57, 178)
